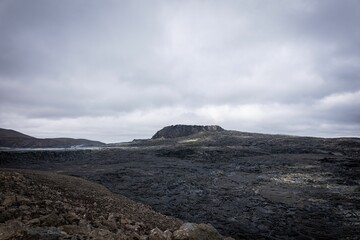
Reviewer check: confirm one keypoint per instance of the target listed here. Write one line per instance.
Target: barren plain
(247, 185)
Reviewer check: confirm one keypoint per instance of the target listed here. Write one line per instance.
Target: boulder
(193, 231)
(157, 234)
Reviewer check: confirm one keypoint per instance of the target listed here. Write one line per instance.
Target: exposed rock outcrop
(175, 131)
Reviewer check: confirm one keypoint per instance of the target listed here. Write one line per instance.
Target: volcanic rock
(247, 185)
(175, 131)
(62, 207)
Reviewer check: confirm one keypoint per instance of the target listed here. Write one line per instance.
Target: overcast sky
(118, 70)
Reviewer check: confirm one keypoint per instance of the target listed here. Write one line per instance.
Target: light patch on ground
(300, 178)
(315, 180)
(189, 140)
(306, 166)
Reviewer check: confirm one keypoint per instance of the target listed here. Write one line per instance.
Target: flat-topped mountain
(13, 139)
(175, 131)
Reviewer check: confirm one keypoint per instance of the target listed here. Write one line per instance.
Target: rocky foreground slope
(40, 205)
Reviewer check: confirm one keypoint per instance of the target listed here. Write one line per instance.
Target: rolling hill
(13, 139)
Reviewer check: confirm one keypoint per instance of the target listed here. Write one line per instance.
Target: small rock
(199, 232)
(23, 200)
(134, 236)
(9, 201)
(111, 216)
(181, 235)
(125, 221)
(111, 224)
(24, 207)
(34, 221)
(132, 227)
(51, 219)
(72, 217)
(101, 234)
(168, 234)
(74, 229)
(48, 202)
(79, 209)
(156, 234)
(85, 225)
(120, 235)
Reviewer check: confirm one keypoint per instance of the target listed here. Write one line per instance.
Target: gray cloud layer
(117, 70)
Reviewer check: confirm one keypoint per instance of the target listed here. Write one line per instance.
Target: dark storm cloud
(113, 69)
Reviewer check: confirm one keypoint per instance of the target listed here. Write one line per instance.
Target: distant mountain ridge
(175, 131)
(13, 139)
(9, 133)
